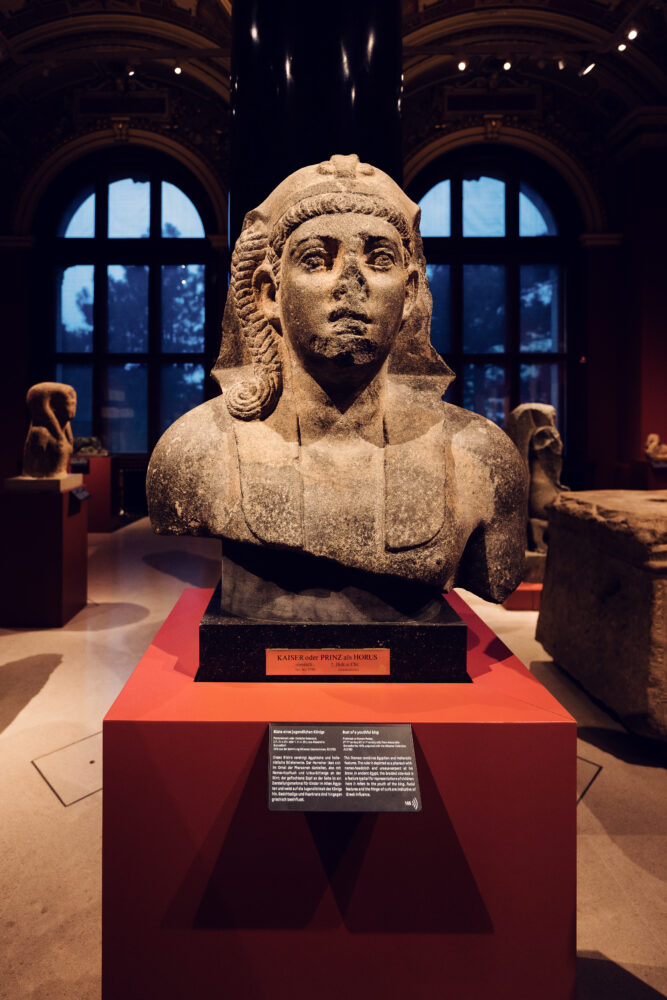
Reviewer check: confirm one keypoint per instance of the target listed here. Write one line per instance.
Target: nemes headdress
(341, 184)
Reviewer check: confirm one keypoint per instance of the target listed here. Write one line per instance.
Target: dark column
(308, 81)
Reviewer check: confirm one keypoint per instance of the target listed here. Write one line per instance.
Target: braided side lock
(256, 397)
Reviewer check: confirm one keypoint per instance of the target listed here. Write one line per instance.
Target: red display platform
(526, 597)
(208, 894)
(44, 543)
(98, 483)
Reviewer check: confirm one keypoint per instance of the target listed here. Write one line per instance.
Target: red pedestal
(98, 483)
(44, 541)
(208, 894)
(526, 597)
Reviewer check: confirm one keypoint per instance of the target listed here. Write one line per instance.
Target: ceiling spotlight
(463, 65)
(632, 34)
(177, 70)
(130, 70)
(561, 64)
(507, 64)
(587, 69)
(622, 47)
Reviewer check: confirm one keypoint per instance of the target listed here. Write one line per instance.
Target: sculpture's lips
(350, 317)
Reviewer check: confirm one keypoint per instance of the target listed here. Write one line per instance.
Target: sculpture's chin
(345, 350)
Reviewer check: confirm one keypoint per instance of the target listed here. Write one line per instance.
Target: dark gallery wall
(15, 364)
(644, 186)
(604, 133)
(626, 324)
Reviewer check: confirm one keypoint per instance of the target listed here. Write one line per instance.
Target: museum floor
(57, 684)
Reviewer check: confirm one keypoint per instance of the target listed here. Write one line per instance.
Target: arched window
(130, 331)
(497, 253)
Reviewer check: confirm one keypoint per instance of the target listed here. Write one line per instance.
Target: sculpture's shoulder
(492, 484)
(486, 461)
(484, 452)
(191, 483)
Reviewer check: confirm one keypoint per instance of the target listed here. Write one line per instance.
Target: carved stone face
(64, 406)
(344, 291)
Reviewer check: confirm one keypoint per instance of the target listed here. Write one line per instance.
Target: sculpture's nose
(351, 281)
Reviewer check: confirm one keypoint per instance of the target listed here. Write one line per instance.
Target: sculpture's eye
(381, 259)
(315, 260)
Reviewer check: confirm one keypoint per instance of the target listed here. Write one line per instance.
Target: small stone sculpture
(49, 444)
(338, 479)
(532, 427)
(656, 452)
(86, 446)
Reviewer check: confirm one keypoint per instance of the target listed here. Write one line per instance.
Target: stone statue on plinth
(656, 452)
(532, 427)
(49, 443)
(343, 487)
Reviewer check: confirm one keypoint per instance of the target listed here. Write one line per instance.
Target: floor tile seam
(66, 746)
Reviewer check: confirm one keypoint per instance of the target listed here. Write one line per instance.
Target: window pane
(74, 316)
(81, 378)
(128, 307)
(483, 308)
(129, 208)
(78, 222)
(183, 307)
(484, 207)
(439, 281)
(485, 391)
(539, 384)
(182, 388)
(435, 206)
(539, 307)
(179, 215)
(124, 411)
(535, 218)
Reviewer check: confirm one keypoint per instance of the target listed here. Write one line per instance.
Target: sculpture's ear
(266, 295)
(411, 286)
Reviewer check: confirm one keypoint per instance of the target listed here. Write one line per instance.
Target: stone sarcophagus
(603, 615)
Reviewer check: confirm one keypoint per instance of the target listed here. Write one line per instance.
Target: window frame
(511, 251)
(155, 251)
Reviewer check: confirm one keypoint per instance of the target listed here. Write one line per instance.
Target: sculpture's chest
(385, 510)
(342, 489)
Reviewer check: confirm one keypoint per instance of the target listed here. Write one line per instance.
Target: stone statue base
(235, 649)
(287, 602)
(51, 484)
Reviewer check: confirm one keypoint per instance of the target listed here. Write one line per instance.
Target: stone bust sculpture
(49, 443)
(532, 427)
(331, 448)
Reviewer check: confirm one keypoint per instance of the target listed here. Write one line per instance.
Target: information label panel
(344, 768)
(293, 662)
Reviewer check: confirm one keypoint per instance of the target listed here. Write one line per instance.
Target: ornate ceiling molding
(111, 23)
(48, 170)
(572, 172)
(431, 49)
(643, 128)
(104, 37)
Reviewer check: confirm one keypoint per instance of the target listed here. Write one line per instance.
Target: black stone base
(234, 649)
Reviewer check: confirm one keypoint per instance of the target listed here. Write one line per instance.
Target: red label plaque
(291, 662)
